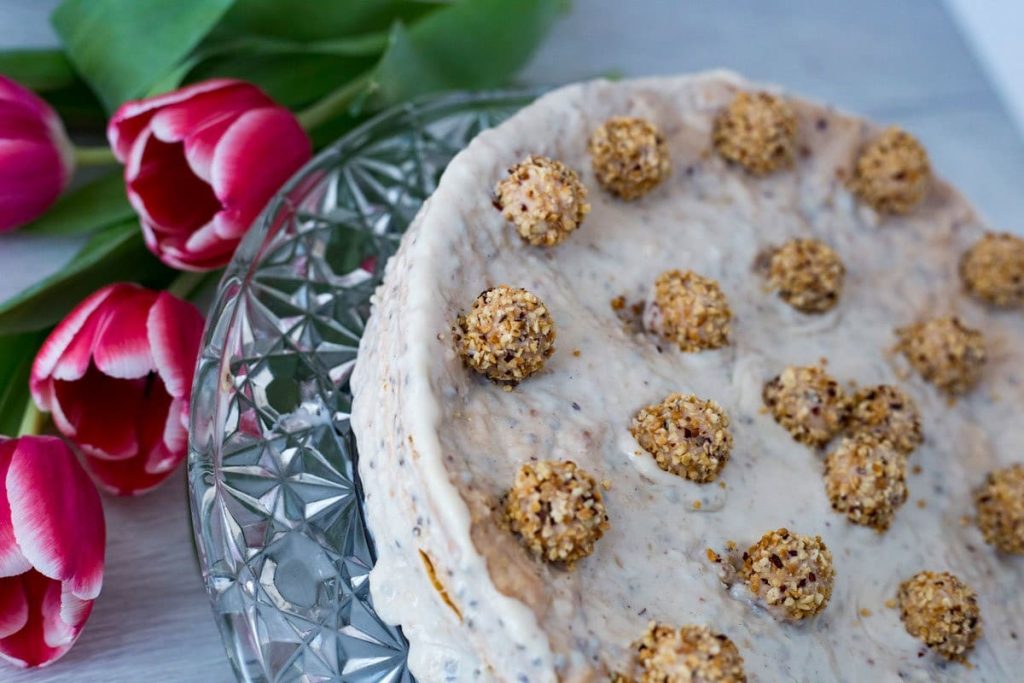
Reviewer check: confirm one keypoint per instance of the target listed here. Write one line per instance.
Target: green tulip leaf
(292, 80)
(469, 44)
(310, 20)
(86, 210)
(115, 254)
(17, 352)
(123, 47)
(39, 70)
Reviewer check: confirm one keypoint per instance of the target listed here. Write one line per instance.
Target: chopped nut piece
(1000, 505)
(756, 131)
(791, 574)
(808, 275)
(866, 479)
(690, 310)
(629, 155)
(692, 654)
(993, 269)
(507, 335)
(808, 403)
(687, 436)
(887, 413)
(892, 173)
(557, 511)
(545, 200)
(944, 352)
(941, 610)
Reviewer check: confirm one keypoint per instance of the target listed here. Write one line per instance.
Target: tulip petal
(57, 514)
(20, 122)
(57, 343)
(13, 605)
(31, 178)
(175, 122)
(166, 192)
(175, 328)
(133, 117)
(269, 140)
(121, 348)
(14, 92)
(101, 413)
(201, 146)
(30, 646)
(64, 614)
(12, 561)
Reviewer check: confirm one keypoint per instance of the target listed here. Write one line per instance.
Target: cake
(691, 379)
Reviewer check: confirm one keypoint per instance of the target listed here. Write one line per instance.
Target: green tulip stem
(333, 104)
(187, 283)
(32, 421)
(94, 156)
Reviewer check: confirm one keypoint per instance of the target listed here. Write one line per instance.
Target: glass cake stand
(276, 500)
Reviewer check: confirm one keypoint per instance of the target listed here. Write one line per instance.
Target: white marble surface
(896, 61)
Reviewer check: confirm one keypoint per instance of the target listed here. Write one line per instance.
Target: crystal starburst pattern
(276, 500)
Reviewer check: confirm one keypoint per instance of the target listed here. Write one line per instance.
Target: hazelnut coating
(544, 199)
(757, 130)
(993, 270)
(689, 310)
(789, 573)
(942, 611)
(944, 352)
(629, 156)
(808, 402)
(687, 436)
(866, 480)
(693, 654)
(507, 335)
(1000, 506)
(556, 510)
(888, 414)
(892, 173)
(808, 275)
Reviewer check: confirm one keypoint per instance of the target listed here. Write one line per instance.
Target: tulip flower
(51, 549)
(36, 157)
(117, 374)
(200, 165)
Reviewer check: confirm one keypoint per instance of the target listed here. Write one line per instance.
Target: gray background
(902, 62)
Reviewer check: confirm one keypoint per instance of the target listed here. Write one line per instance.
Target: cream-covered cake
(689, 379)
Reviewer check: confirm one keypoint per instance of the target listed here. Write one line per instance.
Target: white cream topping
(440, 445)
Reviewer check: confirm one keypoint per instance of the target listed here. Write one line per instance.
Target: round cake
(690, 379)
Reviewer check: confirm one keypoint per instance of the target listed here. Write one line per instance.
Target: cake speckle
(865, 479)
(557, 511)
(757, 130)
(629, 156)
(507, 335)
(992, 270)
(942, 611)
(892, 173)
(544, 199)
(944, 352)
(1000, 505)
(887, 413)
(690, 310)
(808, 403)
(789, 573)
(687, 436)
(808, 275)
(690, 653)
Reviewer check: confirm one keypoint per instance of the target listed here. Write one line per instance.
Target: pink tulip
(117, 374)
(36, 157)
(51, 549)
(201, 163)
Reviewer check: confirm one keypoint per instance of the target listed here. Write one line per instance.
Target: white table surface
(903, 61)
